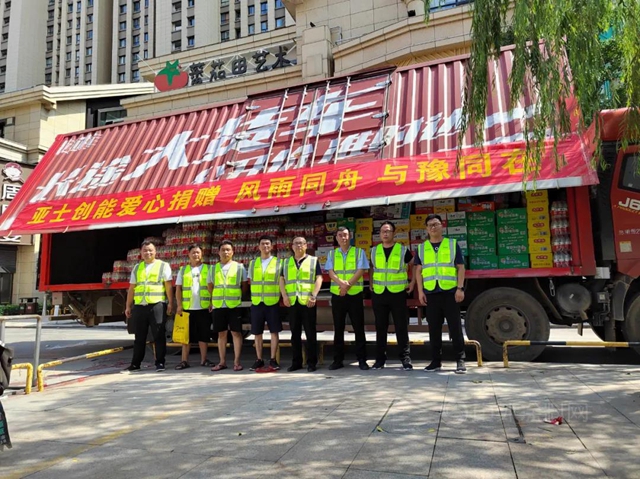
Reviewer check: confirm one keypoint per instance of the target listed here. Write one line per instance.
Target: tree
(600, 39)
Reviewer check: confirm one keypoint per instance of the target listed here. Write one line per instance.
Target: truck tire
(631, 323)
(502, 314)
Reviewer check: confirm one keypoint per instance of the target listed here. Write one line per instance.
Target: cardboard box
(481, 232)
(417, 221)
(481, 248)
(540, 244)
(444, 203)
(513, 249)
(464, 247)
(440, 210)
(539, 223)
(424, 207)
(537, 209)
(539, 233)
(363, 243)
(481, 218)
(540, 196)
(418, 234)
(458, 215)
(516, 229)
(483, 262)
(365, 235)
(513, 261)
(360, 222)
(477, 207)
(335, 214)
(331, 226)
(456, 230)
(326, 241)
(322, 253)
(512, 216)
(458, 237)
(364, 229)
(541, 260)
(400, 210)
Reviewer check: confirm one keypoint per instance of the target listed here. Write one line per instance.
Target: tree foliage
(545, 34)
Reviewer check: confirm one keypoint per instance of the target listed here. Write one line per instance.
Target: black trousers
(301, 316)
(440, 306)
(353, 306)
(394, 305)
(154, 317)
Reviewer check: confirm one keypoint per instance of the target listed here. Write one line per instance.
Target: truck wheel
(502, 314)
(631, 323)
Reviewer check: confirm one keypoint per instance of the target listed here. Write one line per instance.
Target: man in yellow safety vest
(300, 284)
(149, 300)
(440, 279)
(227, 280)
(346, 266)
(388, 284)
(192, 294)
(264, 279)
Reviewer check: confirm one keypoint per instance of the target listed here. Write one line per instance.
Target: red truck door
(625, 203)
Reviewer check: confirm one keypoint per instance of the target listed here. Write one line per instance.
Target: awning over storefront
(368, 139)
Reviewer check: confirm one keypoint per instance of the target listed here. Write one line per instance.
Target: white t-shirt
(195, 285)
(225, 269)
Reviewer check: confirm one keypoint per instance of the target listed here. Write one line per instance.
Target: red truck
(375, 138)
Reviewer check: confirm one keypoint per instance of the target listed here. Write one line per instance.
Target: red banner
(499, 168)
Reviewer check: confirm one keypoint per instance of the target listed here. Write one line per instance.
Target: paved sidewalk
(344, 424)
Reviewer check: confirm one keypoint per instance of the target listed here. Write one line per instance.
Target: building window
(191, 41)
(68, 56)
(135, 58)
(90, 18)
(122, 43)
(70, 8)
(224, 18)
(176, 6)
(123, 26)
(176, 26)
(264, 27)
(79, 6)
(50, 15)
(3, 53)
(121, 77)
(279, 22)
(264, 9)
(123, 9)
(191, 3)
(224, 36)
(146, 36)
(122, 60)
(47, 78)
(88, 82)
(136, 40)
(87, 68)
(177, 45)
(49, 31)
(90, 3)
(49, 46)
(69, 24)
(279, 4)
(48, 62)
(67, 73)
(252, 29)
(191, 21)
(146, 19)
(77, 55)
(145, 54)
(135, 74)
(77, 23)
(69, 40)
(146, 3)
(136, 23)
(7, 5)
(89, 51)
(136, 7)
(251, 9)
(77, 38)
(5, 37)
(89, 34)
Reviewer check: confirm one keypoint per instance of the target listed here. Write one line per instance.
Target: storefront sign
(174, 76)
(13, 176)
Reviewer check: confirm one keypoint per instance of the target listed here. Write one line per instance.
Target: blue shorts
(265, 314)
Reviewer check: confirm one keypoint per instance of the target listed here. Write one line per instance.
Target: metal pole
(2, 331)
(36, 352)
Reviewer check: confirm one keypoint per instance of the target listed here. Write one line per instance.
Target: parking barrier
(595, 344)
(50, 364)
(467, 342)
(29, 368)
(36, 349)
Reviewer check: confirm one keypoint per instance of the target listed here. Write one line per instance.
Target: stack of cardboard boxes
(538, 226)
(481, 237)
(457, 230)
(513, 242)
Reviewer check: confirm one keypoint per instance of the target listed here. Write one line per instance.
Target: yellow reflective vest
(149, 288)
(390, 274)
(346, 270)
(187, 282)
(439, 269)
(227, 289)
(299, 282)
(265, 288)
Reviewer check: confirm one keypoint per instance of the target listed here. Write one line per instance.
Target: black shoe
(131, 369)
(378, 365)
(159, 368)
(312, 367)
(273, 364)
(259, 363)
(460, 367)
(434, 366)
(363, 365)
(294, 367)
(336, 365)
(407, 366)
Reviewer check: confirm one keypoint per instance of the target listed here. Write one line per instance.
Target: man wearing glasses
(389, 281)
(440, 273)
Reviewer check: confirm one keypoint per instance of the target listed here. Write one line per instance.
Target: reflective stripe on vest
(345, 272)
(390, 274)
(265, 289)
(187, 281)
(227, 289)
(299, 282)
(439, 268)
(149, 289)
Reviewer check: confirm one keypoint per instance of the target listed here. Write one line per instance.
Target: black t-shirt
(298, 263)
(459, 260)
